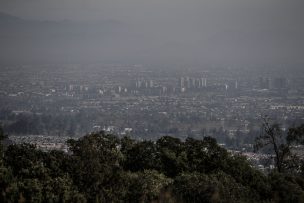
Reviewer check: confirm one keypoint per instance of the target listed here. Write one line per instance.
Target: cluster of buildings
(43, 142)
(192, 83)
(273, 83)
(152, 101)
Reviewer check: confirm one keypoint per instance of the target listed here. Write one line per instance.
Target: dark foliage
(103, 168)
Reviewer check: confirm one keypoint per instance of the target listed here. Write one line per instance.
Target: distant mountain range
(17, 26)
(6, 18)
(24, 39)
(259, 41)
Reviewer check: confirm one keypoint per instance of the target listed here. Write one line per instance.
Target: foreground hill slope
(104, 168)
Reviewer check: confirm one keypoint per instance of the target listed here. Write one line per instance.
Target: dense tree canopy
(104, 168)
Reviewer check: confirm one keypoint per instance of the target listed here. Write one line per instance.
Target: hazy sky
(224, 30)
(137, 10)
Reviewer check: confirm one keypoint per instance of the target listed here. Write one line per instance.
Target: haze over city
(169, 31)
(152, 101)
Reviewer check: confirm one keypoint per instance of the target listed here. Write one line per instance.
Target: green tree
(170, 150)
(205, 155)
(96, 165)
(147, 186)
(30, 190)
(217, 187)
(143, 155)
(8, 186)
(25, 161)
(2, 137)
(295, 135)
(239, 168)
(286, 188)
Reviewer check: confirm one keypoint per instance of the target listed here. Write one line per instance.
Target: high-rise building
(182, 82)
(264, 83)
(193, 85)
(279, 83)
(188, 82)
(138, 84)
(151, 84)
(204, 82)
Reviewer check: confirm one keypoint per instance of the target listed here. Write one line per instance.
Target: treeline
(34, 124)
(104, 168)
(80, 123)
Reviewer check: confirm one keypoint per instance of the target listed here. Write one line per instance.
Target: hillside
(104, 168)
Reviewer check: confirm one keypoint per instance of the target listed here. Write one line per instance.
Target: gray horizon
(209, 31)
